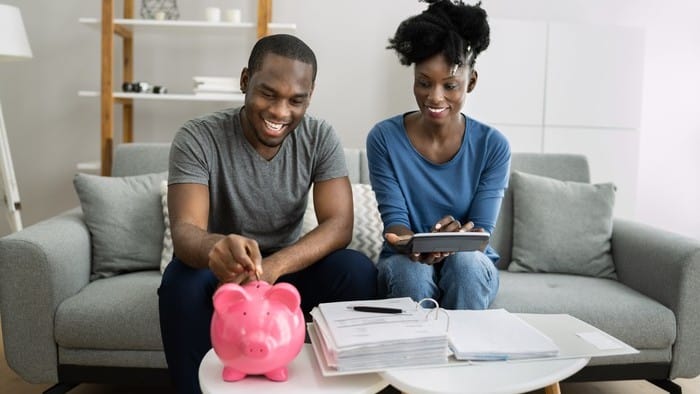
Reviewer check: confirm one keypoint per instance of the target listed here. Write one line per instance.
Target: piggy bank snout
(256, 348)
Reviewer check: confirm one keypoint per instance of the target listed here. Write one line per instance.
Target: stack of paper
(216, 85)
(496, 334)
(354, 340)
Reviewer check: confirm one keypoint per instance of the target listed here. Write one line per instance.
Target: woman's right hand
(235, 259)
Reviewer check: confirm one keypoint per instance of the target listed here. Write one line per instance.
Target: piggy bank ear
(286, 294)
(228, 295)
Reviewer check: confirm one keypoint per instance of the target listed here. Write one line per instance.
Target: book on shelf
(224, 85)
(216, 89)
(216, 80)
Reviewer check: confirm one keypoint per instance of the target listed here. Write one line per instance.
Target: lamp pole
(14, 45)
(9, 183)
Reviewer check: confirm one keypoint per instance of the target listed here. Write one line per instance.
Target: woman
(435, 169)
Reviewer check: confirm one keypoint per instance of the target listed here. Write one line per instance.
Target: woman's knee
(468, 266)
(399, 276)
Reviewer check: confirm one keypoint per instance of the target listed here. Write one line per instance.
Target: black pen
(375, 309)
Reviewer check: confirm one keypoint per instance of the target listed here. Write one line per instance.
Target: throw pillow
(167, 253)
(367, 228)
(562, 227)
(124, 217)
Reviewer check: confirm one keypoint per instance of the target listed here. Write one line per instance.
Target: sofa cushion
(561, 227)
(125, 220)
(632, 317)
(367, 227)
(118, 313)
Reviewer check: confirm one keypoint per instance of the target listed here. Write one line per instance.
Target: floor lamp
(13, 46)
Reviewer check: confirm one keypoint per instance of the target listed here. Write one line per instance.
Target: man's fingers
(244, 252)
(256, 258)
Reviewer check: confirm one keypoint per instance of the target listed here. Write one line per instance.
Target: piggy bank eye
(268, 313)
(245, 313)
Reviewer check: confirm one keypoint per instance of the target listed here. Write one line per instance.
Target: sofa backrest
(140, 158)
(144, 158)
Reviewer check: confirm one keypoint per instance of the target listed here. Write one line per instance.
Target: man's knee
(357, 270)
(185, 291)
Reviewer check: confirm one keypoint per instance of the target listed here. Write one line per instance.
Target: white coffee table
(484, 378)
(304, 377)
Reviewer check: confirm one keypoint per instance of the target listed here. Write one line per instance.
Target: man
(238, 184)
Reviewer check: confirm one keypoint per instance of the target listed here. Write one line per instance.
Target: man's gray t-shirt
(248, 195)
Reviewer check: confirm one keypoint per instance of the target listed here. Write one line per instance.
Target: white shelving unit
(126, 28)
(168, 96)
(149, 25)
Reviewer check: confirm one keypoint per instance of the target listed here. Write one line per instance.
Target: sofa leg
(667, 385)
(60, 388)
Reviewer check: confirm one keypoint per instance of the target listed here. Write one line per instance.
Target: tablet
(444, 242)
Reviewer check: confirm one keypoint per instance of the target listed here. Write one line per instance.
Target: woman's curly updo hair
(457, 30)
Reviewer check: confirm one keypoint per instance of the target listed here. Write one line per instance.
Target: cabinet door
(510, 88)
(594, 76)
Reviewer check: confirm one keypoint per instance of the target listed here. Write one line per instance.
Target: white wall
(51, 128)
(668, 184)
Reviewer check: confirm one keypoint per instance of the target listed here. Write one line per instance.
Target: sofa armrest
(40, 267)
(666, 267)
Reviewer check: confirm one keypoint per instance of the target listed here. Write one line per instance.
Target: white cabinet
(567, 88)
(594, 76)
(510, 88)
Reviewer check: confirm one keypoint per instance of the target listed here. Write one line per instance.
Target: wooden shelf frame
(111, 27)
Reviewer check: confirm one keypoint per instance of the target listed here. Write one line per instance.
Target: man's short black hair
(285, 45)
(457, 30)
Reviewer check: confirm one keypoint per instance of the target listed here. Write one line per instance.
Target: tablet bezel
(449, 242)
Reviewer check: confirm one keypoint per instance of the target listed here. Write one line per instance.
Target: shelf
(237, 97)
(153, 25)
(125, 29)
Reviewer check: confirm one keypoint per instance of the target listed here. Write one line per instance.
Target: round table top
(484, 377)
(304, 377)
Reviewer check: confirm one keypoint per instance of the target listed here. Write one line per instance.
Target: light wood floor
(11, 383)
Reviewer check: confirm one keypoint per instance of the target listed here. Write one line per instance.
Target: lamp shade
(14, 44)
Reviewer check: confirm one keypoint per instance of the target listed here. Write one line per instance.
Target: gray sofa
(58, 326)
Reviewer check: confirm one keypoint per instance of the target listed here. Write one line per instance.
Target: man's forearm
(192, 244)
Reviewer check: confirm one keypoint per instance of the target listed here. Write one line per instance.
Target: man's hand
(235, 259)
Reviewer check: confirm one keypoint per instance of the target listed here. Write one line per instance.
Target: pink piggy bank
(257, 329)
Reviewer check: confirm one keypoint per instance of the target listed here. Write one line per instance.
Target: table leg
(552, 389)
